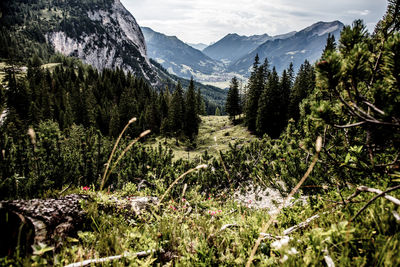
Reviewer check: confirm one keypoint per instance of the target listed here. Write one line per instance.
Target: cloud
(209, 20)
(359, 12)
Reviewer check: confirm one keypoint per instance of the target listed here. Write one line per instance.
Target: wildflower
(85, 188)
(219, 211)
(183, 199)
(250, 201)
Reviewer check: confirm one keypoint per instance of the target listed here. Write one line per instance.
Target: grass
(191, 232)
(215, 134)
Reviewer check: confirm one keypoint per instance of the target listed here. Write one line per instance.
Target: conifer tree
(217, 112)
(176, 112)
(303, 86)
(255, 88)
(330, 45)
(191, 119)
(268, 114)
(232, 105)
(282, 105)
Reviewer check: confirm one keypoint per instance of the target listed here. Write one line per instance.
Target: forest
(327, 145)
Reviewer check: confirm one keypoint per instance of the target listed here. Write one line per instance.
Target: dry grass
(215, 134)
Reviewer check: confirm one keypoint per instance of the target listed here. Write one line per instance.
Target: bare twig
(226, 226)
(65, 189)
(350, 125)
(111, 258)
(374, 107)
(380, 194)
(300, 225)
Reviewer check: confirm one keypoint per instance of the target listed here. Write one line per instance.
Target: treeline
(269, 101)
(74, 93)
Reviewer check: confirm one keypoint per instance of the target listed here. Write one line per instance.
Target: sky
(207, 21)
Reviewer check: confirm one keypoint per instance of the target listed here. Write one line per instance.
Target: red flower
(85, 188)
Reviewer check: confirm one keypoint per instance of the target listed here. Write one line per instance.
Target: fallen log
(24, 223)
(28, 222)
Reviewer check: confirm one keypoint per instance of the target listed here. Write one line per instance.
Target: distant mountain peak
(178, 57)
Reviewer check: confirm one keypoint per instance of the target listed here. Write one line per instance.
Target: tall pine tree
(191, 119)
(232, 105)
(176, 112)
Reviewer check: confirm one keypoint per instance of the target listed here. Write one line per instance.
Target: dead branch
(350, 125)
(380, 194)
(226, 226)
(112, 258)
(300, 225)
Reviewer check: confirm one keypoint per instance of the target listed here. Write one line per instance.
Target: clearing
(215, 134)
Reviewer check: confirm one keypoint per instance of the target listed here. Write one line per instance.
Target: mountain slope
(177, 57)
(306, 44)
(234, 46)
(199, 46)
(101, 33)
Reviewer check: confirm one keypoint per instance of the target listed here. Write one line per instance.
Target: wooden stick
(111, 258)
(300, 225)
(380, 194)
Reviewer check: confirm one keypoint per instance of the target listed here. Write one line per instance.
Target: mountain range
(105, 35)
(234, 54)
(294, 47)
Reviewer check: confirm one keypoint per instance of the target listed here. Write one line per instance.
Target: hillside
(177, 57)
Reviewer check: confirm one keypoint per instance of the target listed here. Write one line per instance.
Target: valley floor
(216, 133)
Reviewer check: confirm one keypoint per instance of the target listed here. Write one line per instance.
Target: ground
(215, 134)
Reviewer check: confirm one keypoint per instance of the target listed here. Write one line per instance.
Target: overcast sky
(206, 21)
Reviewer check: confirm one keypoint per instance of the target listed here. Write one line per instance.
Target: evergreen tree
(268, 114)
(282, 105)
(330, 45)
(303, 86)
(217, 112)
(191, 119)
(176, 112)
(255, 88)
(201, 110)
(232, 105)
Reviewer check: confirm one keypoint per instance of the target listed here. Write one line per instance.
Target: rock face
(105, 36)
